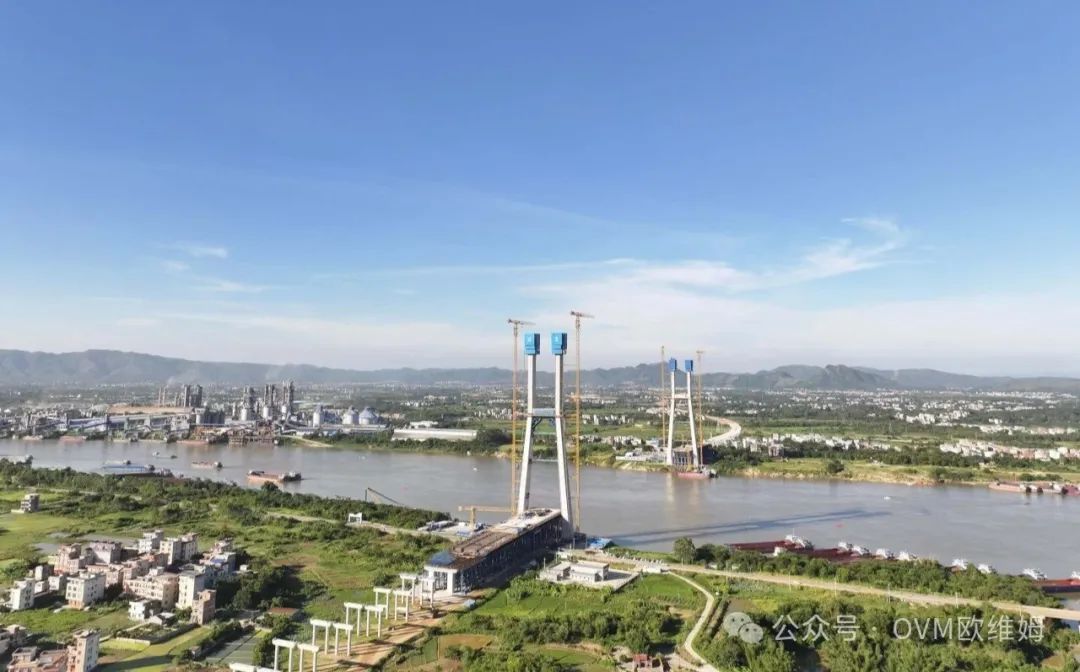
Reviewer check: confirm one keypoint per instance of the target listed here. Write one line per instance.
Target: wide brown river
(650, 510)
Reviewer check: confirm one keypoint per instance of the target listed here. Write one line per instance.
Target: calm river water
(650, 510)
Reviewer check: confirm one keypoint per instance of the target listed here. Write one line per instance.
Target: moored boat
(259, 476)
(699, 473)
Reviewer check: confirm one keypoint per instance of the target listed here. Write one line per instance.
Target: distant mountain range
(95, 367)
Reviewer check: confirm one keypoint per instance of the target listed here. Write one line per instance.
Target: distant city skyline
(363, 187)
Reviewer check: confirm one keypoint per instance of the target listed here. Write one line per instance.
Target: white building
(202, 612)
(143, 610)
(191, 583)
(179, 550)
(83, 652)
(150, 541)
(22, 595)
(85, 589)
(158, 585)
(102, 552)
(584, 572)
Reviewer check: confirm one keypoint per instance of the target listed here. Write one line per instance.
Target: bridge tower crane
(578, 316)
(473, 508)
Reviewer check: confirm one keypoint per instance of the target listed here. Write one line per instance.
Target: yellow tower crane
(473, 508)
(578, 315)
(517, 324)
(700, 409)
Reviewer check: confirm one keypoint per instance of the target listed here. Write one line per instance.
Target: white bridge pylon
(688, 397)
(535, 416)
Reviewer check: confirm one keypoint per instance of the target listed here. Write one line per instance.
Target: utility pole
(517, 324)
(578, 315)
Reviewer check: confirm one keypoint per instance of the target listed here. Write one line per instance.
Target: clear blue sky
(383, 184)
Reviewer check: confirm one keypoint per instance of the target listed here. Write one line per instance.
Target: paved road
(858, 589)
(733, 432)
(706, 613)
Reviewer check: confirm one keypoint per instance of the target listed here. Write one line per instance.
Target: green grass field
(20, 532)
(659, 588)
(120, 657)
(432, 654)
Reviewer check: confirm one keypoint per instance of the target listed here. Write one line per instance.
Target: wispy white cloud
(475, 269)
(835, 257)
(174, 266)
(201, 251)
(138, 322)
(223, 286)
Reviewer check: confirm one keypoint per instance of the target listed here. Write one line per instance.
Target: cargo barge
(699, 474)
(207, 465)
(125, 468)
(258, 476)
(1019, 488)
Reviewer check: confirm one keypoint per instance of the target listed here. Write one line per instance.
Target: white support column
(696, 458)
(410, 582)
(283, 644)
(402, 599)
(427, 591)
(338, 629)
(317, 623)
(314, 651)
(560, 450)
(380, 612)
(671, 420)
(382, 596)
(530, 424)
(354, 607)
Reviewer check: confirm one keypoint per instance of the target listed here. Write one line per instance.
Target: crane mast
(578, 316)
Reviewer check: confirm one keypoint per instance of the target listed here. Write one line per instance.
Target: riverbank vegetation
(805, 629)
(923, 576)
(923, 466)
